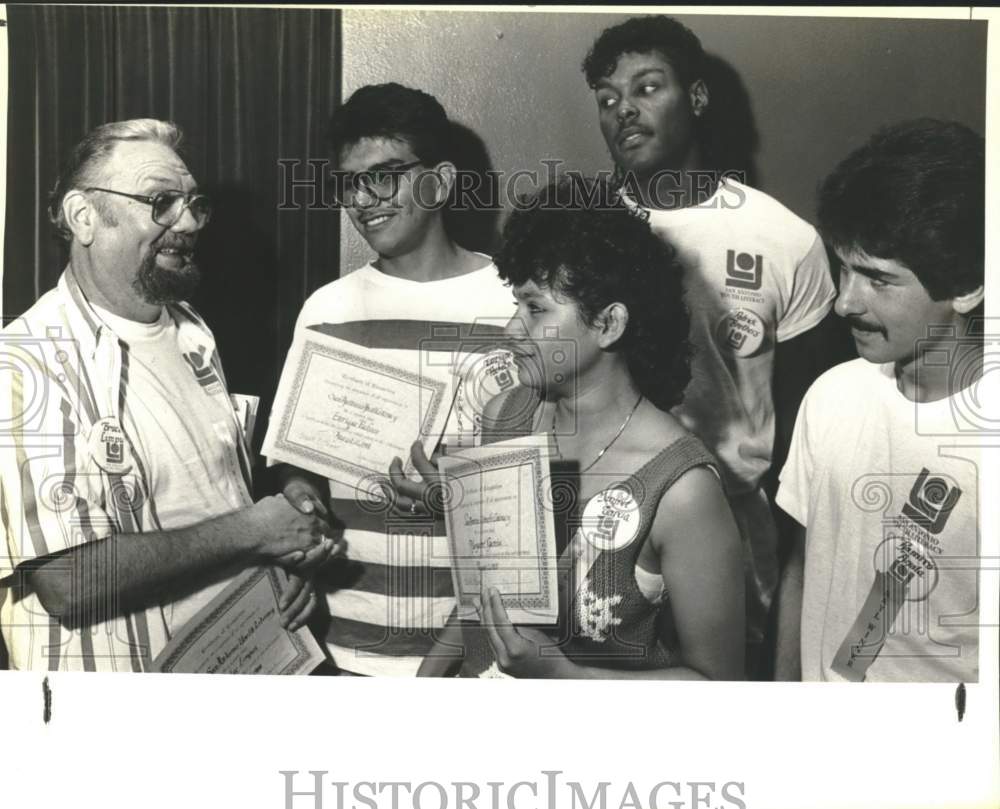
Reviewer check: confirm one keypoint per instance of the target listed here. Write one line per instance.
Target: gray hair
(82, 164)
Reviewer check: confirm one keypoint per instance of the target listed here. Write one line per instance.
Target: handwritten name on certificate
(500, 530)
(345, 416)
(239, 632)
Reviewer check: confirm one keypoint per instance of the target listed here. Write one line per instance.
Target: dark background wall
(812, 88)
(248, 87)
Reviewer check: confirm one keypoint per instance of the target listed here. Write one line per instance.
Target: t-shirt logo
(931, 502)
(203, 371)
(743, 270)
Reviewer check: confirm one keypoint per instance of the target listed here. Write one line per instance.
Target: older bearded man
(125, 482)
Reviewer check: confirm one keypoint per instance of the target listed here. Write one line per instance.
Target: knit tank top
(605, 619)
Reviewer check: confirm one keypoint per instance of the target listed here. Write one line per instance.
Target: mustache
(632, 128)
(861, 325)
(175, 241)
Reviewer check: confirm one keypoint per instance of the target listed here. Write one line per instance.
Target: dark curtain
(249, 87)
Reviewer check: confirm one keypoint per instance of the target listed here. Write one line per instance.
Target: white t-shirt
(186, 434)
(399, 588)
(755, 274)
(888, 491)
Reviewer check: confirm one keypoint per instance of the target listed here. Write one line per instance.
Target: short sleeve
(811, 296)
(798, 473)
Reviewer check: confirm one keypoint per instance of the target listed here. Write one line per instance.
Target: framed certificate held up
(345, 416)
(500, 528)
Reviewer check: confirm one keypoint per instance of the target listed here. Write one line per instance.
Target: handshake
(293, 530)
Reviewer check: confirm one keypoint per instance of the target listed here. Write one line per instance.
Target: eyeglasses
(169, 206)
(380, 183)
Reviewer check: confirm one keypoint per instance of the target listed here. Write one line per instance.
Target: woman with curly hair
(651, 577)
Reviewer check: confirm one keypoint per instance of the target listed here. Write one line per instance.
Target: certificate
(239, 632)
(344, 415)
(500, 529)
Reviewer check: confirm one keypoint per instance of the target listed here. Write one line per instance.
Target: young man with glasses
(395, 178)
(125, 494)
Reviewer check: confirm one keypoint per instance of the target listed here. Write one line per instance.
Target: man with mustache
(126, 501)
(756, 275)
(881, 476)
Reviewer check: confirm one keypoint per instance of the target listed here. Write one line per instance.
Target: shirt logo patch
(743, 270)
(740, 332)
(108, 447)
(931, 502)
(203, 371)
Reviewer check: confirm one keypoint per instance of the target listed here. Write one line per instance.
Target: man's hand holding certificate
(345, 416)
(500, 530)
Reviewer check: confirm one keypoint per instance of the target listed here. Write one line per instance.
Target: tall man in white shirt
(757, 278)
(882, 474)
(125, 496)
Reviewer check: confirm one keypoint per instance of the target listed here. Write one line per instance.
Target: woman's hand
(521, 651)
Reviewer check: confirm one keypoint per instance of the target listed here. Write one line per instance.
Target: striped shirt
(395, 588)
(71, 473)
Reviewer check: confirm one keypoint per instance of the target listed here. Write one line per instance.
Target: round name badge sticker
(611, 519)
(108, 446)
(740, 332)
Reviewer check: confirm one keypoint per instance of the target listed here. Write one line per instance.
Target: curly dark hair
(674, 41)
(915, 193)
(597, 255)
(397, 112)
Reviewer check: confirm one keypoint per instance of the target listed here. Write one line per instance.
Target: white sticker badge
(611, 519)
(741, 332)
(108, 446)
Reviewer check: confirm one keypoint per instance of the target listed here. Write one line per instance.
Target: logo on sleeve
(931, 502)
(743, 270)
(203, 371)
